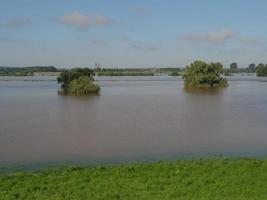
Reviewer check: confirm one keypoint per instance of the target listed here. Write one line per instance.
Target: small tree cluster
(261, 70)
(83, 86)
(78, 81)
(200, 74)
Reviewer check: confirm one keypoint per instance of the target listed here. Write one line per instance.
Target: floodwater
(134, 119)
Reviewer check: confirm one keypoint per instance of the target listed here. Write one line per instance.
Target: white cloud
(219, 37)
(76, 19)
(83, 21)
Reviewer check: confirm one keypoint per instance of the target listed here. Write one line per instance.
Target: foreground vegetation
(204, 75)
(216, 178)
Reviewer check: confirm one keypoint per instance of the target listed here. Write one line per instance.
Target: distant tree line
(25, 71)
(123, 73)
(252, 68)
(138, 71)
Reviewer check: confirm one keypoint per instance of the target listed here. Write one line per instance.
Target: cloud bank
(251, 40)
(219, 37)
(78, 20)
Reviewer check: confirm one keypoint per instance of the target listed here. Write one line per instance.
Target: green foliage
(261, 70)
(201, 75)
(216, 178)
(67, 76)
(175, 73)
(169, 70)
(234, 67)
(83, 86)
(252, 67)
(25, 71)
(78, 81)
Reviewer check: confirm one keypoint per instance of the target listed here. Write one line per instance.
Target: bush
(78, 81)
(204, 75)
(67, 76)
(262, 70)
(83, 86)
(175, 73)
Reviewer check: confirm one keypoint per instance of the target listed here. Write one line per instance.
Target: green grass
(215, 178)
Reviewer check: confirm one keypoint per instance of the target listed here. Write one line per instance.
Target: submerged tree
(67, 76)
(83, 86)
(202, 75)
(261, 70)
(78, 81)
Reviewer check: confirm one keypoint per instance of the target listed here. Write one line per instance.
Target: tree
(233, 67)
(67, 76)
(78, 81)
(260, 65)
(83, 86)
(261, 70)
(200, 74)
(252, 67)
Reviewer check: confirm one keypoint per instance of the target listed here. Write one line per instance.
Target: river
(133, 119)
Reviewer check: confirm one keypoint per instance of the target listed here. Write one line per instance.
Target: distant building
(97, 66)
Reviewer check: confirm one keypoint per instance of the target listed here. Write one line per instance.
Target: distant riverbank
(214, 178)
(235, 77)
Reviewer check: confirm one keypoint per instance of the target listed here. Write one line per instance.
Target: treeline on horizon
(26, 71)
(260, 69)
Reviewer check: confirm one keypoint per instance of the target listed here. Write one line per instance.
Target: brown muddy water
(134, 119)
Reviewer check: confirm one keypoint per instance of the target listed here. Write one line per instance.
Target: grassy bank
(216, 178)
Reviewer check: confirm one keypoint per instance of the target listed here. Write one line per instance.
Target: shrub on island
(204, 75)
(78, 81)
(262, 70)
(83, 86)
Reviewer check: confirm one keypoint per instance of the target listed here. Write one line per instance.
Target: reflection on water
(130, 120)
(205, 91)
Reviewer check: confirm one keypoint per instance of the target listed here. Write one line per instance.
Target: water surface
(134, 119)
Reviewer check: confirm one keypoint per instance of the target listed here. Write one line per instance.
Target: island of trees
(78, 81)
(262, 70)
(204, 75)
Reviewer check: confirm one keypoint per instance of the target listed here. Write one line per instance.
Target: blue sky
(122, 33)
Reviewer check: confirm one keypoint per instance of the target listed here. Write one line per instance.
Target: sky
(124, 33)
